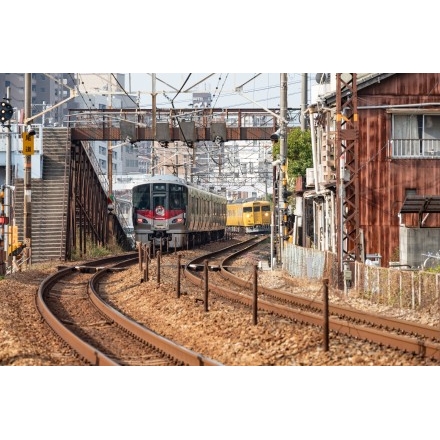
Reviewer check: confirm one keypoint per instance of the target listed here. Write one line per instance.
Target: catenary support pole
(283, 169)
(27, 203)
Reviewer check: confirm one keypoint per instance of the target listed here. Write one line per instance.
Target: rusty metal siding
(403, 86)
(383, 180)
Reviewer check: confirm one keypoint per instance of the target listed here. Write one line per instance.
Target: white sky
(260, 90)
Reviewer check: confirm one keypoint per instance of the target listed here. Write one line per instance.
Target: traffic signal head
(286, 194)
(6, 111)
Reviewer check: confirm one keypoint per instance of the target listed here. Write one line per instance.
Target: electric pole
(8, 197)
(153, 122)
(347, 141)
(303, 101)
(282, 181)
(109, 144)
(27, 205)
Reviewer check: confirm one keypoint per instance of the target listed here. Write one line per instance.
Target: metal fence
(415, 148)
(414, 289)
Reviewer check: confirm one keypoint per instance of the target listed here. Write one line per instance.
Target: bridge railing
(105, 186)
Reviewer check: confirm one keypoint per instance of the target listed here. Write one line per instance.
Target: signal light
(6, 111)
(286, 194)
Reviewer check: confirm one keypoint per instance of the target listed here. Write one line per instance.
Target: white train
(167, 208)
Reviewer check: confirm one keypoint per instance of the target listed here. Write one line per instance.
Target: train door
(257, 215)
(159, 207)
(266, 216)
(248, 216)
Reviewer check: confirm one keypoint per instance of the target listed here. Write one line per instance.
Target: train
(168, 210)
(251, 216)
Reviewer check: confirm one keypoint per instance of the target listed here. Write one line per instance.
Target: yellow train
(249, 215)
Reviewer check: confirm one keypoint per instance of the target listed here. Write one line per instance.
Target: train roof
(247, 200)
(171, 178)
(168, 178)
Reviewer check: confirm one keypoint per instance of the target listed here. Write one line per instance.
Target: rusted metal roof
(362, 82)
(420, 204)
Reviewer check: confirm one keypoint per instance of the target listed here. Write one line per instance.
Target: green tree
(299, 152)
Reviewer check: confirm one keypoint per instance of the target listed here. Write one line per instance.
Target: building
(376, 174)
(57, 95)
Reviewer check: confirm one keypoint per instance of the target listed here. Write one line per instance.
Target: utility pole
(109, 149)
(347, 141)
(282, 182)
(303, 101)
(153, 122)
(27, 206)
(8, 197)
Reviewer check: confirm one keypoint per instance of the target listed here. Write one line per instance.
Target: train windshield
(178, 197)
(141, 197)
(265, 208)
(247, 208)
(159, 204)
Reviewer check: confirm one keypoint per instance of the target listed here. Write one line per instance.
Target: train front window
(158, 201)
(247, 209)
(178, 197)
(141, 197)
(159, 187)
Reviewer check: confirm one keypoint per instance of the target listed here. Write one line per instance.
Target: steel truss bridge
(169, 125)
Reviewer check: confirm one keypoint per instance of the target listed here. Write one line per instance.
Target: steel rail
(85, 350)
(176, 351)
(390, 323)
(337, 324)
(92, 354)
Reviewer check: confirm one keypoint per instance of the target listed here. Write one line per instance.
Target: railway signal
(4, 220)
(6, 111)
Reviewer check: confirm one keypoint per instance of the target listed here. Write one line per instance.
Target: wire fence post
(139, 246)
(179, 258)
(326, 317)
(147, 257)
(158, 267)
(255, 296)
(206, 285)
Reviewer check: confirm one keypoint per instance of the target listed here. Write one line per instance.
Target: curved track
(403, 335)
(69, 302)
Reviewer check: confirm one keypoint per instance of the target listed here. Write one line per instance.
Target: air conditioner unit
(310, 177)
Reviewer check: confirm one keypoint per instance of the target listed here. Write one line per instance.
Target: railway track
(239, 285)
(69, 302)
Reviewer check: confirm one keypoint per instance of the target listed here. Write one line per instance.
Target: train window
(256, 209)
(176, 200)
(159, 187)
(265, 208)
(144, 202)
(141, 197)
(159, 205)
(247, 208)
(158, 201)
